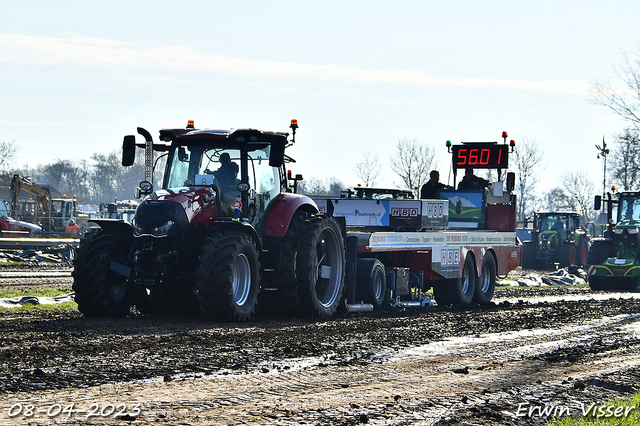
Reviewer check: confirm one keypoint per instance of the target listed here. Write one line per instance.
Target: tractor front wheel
(228, 277)
(99, 270)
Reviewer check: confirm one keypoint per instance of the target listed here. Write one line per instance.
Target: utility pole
(603, 151)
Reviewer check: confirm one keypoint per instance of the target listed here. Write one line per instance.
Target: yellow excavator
(53, 215)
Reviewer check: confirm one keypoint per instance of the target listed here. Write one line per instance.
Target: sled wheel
(320, 267)
(100, 290)
(373, 289)
(486, 283)
(228, 277)
(457, 291)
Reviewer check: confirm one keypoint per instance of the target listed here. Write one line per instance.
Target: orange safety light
(504, 134)
(512, 143)
(190, 124)
(294, 123)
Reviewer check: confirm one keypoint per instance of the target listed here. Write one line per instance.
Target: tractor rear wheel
(320, 267)
(582, 251)
(486, 282)
(228, 277)
(457, 291)
(284, 300)
(99, 289)
(528, 255)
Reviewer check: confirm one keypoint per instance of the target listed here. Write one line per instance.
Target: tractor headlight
(633, 231)
(162, 230)
(158, 231)
(619, 231)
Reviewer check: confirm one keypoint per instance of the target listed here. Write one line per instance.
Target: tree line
(101, 179)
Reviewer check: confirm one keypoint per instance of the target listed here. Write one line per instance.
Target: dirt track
(442, 366)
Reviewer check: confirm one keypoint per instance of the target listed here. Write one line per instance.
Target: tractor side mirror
(276, 156)
(597, 203)
(511, 181)
(182, 154)
(128, 150)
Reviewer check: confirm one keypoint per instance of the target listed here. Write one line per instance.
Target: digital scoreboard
(480, 156)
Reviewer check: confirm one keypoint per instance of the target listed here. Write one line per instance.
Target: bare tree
(368, 170)
(625, 100)
(412, 162)
(527, 166)
(580, 190)
(625, 160)
(8, 150)
(556, 200)
(315, 187)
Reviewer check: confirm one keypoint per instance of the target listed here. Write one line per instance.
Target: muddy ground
(499, 365)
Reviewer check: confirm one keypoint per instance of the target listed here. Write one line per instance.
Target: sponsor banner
(435, 214)
(424, 240)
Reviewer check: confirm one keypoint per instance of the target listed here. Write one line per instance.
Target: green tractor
(613, 258)
(557, 237)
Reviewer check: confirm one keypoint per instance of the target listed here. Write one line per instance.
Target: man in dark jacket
(471, 181)
(430, 189)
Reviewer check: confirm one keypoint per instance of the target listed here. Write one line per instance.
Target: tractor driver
(228, 170)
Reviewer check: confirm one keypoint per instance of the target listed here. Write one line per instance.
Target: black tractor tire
(529, 255)
(99, 290)
(228, 277)
(176, 299)
(373, 289)
(457, 291)
(284, 300)
(320, 267)
(567, 255)
(582, 251)
(486, 282)
(597, 283)
(599, 252)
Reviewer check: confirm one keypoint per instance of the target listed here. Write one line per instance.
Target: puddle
(514, 344)
(567, 297)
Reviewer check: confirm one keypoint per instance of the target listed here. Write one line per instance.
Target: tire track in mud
(408, 385)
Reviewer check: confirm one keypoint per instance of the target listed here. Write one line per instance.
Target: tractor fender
(114, 225)
(239, 227)
(279, 212)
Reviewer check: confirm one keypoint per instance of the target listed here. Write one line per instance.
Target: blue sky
(76, 76)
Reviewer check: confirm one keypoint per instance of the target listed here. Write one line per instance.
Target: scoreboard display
(480, 156)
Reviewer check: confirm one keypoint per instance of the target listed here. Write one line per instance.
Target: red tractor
(225, 231)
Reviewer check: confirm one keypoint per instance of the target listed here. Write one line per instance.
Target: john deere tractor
(557, 237)
(613, 258)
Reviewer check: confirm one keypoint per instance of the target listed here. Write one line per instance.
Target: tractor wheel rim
(241, 279)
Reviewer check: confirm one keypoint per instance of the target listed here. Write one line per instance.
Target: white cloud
(99, 52)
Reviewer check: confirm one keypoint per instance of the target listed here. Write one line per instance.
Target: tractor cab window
(629, 209)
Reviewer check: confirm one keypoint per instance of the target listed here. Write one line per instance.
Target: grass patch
(606, 414)
(40, 292)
